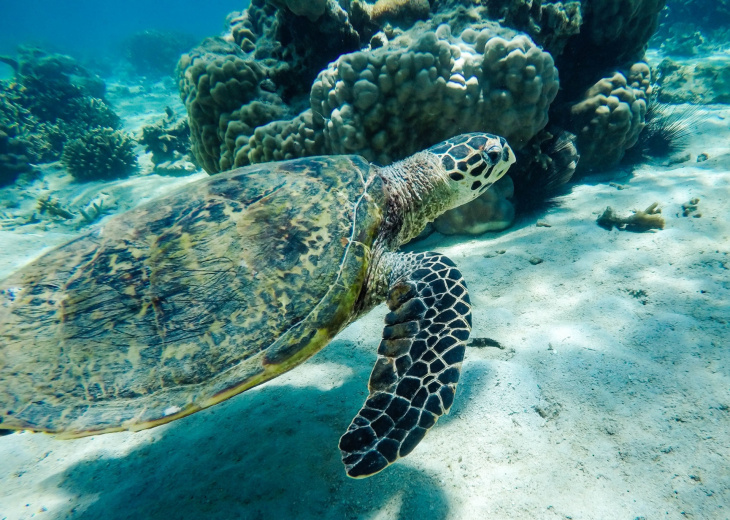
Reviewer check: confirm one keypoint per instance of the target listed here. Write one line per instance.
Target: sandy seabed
(609, 399)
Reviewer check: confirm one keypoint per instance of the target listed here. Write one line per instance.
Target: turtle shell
(187, 300)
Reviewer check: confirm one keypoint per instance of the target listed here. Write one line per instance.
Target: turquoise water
(165, 233)
(89, 27)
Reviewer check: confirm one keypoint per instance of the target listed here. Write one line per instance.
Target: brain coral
(225, 100)
(384, 79)
(386, 103)
(383, 104)
(609, 118)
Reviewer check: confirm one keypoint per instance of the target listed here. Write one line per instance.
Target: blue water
(596, 383)
(87, 27)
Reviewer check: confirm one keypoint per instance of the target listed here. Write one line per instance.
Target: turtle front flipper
(419, 361)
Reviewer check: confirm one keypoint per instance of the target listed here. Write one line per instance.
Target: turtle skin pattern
(419, 361)
(187, 300)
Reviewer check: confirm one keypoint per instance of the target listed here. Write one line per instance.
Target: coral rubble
(645, 220)
(168, 141)
(702, 82)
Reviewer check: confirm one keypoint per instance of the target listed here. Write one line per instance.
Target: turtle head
(473, 162)
(425, 185)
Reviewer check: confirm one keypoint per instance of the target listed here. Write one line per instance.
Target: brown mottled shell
(187, 300)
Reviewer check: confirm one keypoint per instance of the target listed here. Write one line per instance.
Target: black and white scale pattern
(464, 156)
(419, 362)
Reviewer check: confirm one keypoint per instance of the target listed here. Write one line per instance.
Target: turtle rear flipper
(419, 361)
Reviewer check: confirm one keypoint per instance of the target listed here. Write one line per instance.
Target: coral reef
(52, 83)
(702, 82)
(51, 100)
(390, 101)
(691, 27)
(13, 158)
(549, 24)
(386, 78)
(102, 153)
(383, 104)
(620, 28)
(709, 13)
(645, 220)
(610, 117)
(168, 141)
(223, 93)
(311, 9)
(682, 39)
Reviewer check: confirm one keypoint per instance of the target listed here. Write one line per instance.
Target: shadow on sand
(268, 453)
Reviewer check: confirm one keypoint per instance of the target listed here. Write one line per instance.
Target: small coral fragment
(485, 342)
(53, 207)
(689, 208)
(645, 220)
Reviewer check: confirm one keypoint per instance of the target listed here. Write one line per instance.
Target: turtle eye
(494, 154)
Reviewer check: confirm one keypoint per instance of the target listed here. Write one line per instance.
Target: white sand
(611, 398)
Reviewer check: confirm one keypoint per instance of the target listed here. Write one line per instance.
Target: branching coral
(102, 153)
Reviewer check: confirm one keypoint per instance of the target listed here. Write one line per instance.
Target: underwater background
(596, 382)
(90, 28)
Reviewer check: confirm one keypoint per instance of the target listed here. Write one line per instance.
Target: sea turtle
(230, 281)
